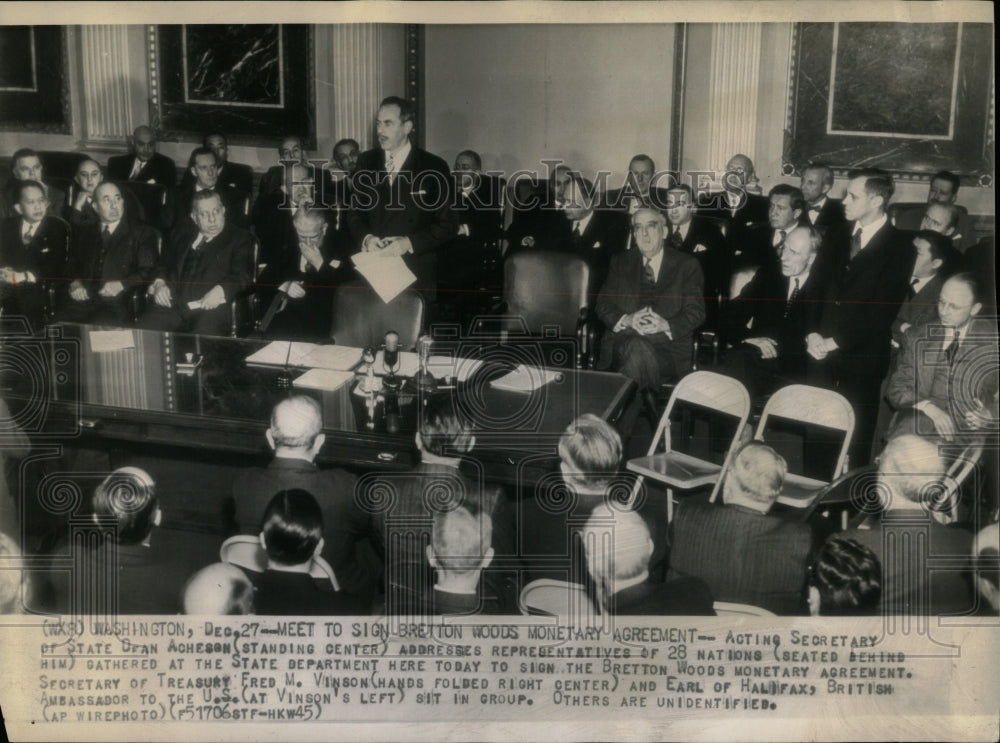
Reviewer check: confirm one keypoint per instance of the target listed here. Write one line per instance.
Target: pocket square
(597, 245)
(44, 250)
(528, 242)
(700, 248)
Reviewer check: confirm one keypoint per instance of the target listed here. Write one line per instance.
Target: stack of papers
(388, 275)
(311, 355)
(323, 379)
(443, 367)
(102, 341)
(525, 379)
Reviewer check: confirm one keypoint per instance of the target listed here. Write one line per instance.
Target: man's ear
(317, 444)
(18, 209)
(936, 264)
(408, 127)
(157, 517)
(431, 557)
(797, 213)
(270, 439)
(263, 544)
(976, 308)
(418, 441)
(487, 559)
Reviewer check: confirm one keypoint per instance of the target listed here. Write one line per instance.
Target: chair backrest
(729, 609)
(740, 279)
(61, 165)
(945, 505)
(811, 406)
(709, 390)
(546, 288)
(555, 598)
(152, 197)
(361, 318)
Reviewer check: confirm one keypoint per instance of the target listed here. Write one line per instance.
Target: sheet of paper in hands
(525, 379)
(388, 275)
(323, 379)
(337, 358)
(102, 341)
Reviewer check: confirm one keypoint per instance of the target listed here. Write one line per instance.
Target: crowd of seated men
(800, 287)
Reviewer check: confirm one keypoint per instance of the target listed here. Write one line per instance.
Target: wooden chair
(361, 318)
(810, 407)
(245, 551)
(945, 505)
(154, 200)
(708, 391)
(556, 598)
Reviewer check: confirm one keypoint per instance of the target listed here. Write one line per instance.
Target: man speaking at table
(207, 263)
(401, 198)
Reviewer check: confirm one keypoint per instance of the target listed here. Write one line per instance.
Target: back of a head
(292, 527)
(128, 495)
(848, 577)
(591, 450)
(617, 547)
(11, 585)
(461, 539)
(218, 589)
(755, 477)
(986, 553)
(296, 422)
(911, 467)
(442, 431)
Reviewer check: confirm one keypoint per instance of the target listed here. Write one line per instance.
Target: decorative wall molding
(107, 115)
(415, 76)
(355, 68)
(677, 92)
(735, 80)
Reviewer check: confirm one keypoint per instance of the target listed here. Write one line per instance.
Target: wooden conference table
(215, 394)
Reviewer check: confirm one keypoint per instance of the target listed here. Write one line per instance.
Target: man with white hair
(219, 589)
(987, 575)
(296, 437)
(745, 554)
(618, 548)
(908, 540)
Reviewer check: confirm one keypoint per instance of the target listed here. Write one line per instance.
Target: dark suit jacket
(743, 556)
(345, 525)
(234, 175)
(677, 298)
(764, 301)
(908, 586)
(964, 237)
(919, 310)
(923, 371)
(234, 201)
(756, 248)
(864, 297)
(463, 260)
(831, 215)
(752, 212)
(224, 261)
(620, 198)
(159, 169)
(45, 256)
(131, 255)
(416, 205)
(713, 259)
(679, 597)
(278, 593)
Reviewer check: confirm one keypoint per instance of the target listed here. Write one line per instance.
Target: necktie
(911, 292)
(105, 236)
(192, 260)
(29, 235)
(576, 229)
(675, 239)
(780, 245)
(136, 167)
(855, 244)
(791, 297)
(647, 272)
(390, 166)
(952, 349)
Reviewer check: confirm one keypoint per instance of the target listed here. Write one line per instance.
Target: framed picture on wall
(912, 98)
(251, 82)
(34, 79)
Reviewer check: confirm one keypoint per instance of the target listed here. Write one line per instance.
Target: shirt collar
(802, 278)
(683, 229)
(584, 222)
(869, 231)
(25, 224)
(818, 206)
(399, 156)
(655, 262)
(920, 283)
(110, 226)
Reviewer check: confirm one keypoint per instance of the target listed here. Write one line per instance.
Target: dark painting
(34, 85)
(252, 82)
(909, 98)
(233, 64)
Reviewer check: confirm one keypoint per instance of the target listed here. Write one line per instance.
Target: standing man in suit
(703, 239)
(203, 167)
(401, 199)
(762, 245)
(930, 389)
(651, 305)
(770, 319)
(32, 251)
(26, 165)
(145, 164)
(870, 275)
(109, 257)
(208, 261)
(821, 210)
(943, 189)
(231, 175)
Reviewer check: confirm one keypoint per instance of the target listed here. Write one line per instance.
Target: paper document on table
(443, 367)
(339, 358)
(323, 379)
(409, 364)
(525, 379)
(280, 353)
(388, 275)
(102, 341)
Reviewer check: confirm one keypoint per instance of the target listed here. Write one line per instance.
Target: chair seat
(799, 491)
(676, 469)
(555, 598)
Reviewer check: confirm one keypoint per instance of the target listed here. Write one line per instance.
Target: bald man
(296, 437)
(739, 206)
(144, 164)
(220, 589)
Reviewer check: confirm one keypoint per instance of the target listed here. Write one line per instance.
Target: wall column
(354, 70)
(733, 91)
(107, 114)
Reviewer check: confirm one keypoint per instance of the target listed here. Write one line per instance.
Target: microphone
(284, 376)
(390, 356)
(424, 379)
